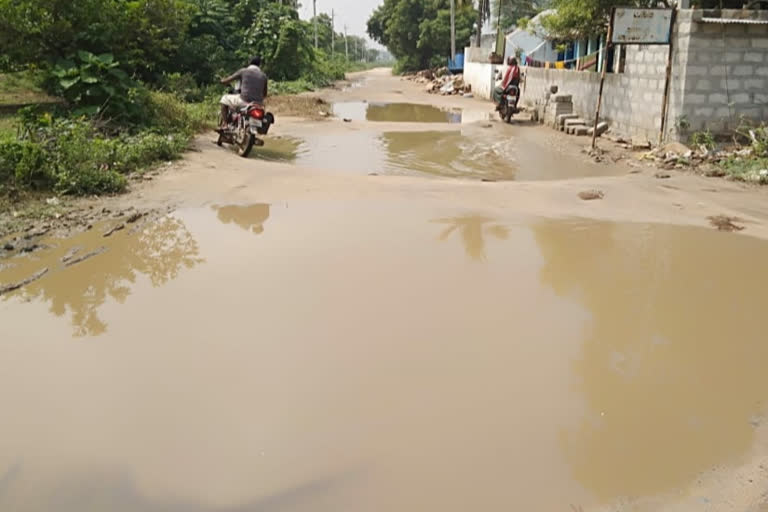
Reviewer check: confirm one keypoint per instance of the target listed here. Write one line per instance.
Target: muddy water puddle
(469, 153)
(325, 357)
(394, 112)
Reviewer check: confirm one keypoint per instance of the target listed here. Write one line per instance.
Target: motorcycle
(243, 127)
(507, 106)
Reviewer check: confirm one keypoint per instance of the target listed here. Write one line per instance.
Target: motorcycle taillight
(256, 113)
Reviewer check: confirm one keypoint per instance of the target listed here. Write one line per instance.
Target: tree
(324, 31)
(417, 32)
(483, 15)
(281, 39)
(585, 18)
(143, 35)
(513, 10)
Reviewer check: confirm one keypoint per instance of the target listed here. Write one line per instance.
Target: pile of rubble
(704, 160)
(441, 81)
(675, 155)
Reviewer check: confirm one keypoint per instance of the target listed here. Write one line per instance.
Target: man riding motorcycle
(253, 89)
(511, 79)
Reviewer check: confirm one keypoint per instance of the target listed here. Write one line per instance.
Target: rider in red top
(511, 77)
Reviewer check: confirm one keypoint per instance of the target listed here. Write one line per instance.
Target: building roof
(733, 21)
(532, 37)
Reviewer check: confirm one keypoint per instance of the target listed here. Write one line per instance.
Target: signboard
(641, 26)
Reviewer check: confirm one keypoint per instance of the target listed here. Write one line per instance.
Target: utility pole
(453, 30)
(346, 43)
(498, 31)
(314, 19)
(333, 32)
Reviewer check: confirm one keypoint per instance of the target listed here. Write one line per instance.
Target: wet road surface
(326, 356)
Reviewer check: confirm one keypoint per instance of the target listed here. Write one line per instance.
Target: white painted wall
(481, 76)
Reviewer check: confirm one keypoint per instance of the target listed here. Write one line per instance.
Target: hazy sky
(354, 13)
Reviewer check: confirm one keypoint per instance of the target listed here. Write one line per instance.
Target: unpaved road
(335, 160)
(353, 320)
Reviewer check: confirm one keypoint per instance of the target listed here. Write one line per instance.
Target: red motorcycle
(243, 127)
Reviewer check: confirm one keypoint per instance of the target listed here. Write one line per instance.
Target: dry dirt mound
(301, 105)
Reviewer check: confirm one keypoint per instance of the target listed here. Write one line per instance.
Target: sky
(354, 13)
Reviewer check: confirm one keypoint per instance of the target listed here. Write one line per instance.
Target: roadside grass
(8, 125)
(747, 159)
(62, 155)
(292, 87)
(748, 169)
(22, 88)
(47, 151)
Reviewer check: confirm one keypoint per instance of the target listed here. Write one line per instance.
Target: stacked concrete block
(562, 118)
(559, 104)
(572, 126)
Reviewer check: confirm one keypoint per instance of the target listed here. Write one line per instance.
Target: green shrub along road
(117, 86)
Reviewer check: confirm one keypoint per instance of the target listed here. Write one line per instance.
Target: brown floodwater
(394, 112)
(352, 356)
(469, 153)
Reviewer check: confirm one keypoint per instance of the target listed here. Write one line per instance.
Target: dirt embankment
(306, 106)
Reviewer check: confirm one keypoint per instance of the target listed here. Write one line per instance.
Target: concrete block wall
(631, 100)
(726, 72)
(719, 77)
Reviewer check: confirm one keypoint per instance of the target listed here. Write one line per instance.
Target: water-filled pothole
(564, 355)
(395, 112)
(472, 153)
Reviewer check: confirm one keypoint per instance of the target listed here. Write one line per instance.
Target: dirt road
(413, 310)
(334, 160)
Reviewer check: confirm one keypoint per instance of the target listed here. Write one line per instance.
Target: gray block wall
(631, 100)
(719, 77)
(726, 72)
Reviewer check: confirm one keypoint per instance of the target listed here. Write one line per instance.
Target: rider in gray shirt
(253, 88)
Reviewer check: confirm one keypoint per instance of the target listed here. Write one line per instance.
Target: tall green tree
(324, 31)
(586, 18)
(513, 10)
(417, 32)
(143, 35)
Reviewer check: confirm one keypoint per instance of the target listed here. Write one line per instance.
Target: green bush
(11, 152)
(749, 169)
(294, 87)
(94, 84)
(167, 114)
(32, 169)
(183, 87)
(703, 138)
(70, 156)
(756, 136)
(142, 150)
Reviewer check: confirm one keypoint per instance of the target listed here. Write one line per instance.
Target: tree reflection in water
(157, 250)
(250, 218)
(473, 229)
(672, 364)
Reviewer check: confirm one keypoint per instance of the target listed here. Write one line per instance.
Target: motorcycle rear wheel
(220, 140)
(245, 142)
(504, 113)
